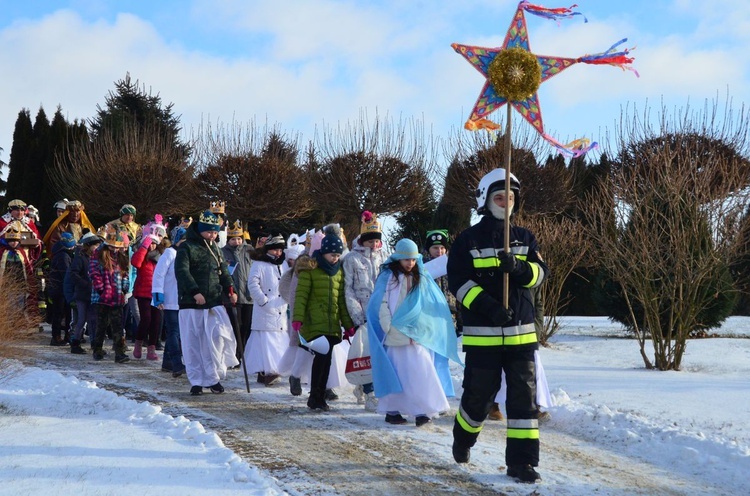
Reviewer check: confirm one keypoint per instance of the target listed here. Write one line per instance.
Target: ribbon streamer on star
(492, 98)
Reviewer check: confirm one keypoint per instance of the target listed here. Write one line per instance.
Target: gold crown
(217, 207)
(16, 203)
(236, 231)
(13, 231)
(370, 223)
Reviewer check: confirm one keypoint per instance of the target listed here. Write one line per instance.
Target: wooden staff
(506, 276)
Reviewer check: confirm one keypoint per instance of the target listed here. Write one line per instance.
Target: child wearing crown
(206, 335)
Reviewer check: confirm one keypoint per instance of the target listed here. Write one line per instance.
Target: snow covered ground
(656, 432)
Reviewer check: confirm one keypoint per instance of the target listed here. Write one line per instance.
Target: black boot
(316, 401)
(461, 453)
(524, 473)
(295, 385)
(75, 348)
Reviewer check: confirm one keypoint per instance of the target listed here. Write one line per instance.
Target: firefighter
(496, 338)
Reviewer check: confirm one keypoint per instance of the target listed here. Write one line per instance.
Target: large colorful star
(491, 99)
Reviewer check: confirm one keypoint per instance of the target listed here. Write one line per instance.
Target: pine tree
(130, 103)
(20, 155)
(41, 155)
(133, 155)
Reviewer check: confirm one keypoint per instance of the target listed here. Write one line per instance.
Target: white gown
(543, 397)
(208, 345)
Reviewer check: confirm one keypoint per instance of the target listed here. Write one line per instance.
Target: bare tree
(679, 191)
(379, 167)
(138, 166)
(256, 171)
(543, 189)
(563, 245)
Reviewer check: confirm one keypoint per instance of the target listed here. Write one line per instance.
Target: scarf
(272, 260)
(328, 267)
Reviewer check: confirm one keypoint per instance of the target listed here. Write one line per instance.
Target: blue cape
(423, 316)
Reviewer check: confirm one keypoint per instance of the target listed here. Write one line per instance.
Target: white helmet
(493, 180)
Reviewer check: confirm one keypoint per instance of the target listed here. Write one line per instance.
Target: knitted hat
(127, 209)
(208, 222)
(67, 240)
(274, 243)
(177, 234)
(371, 228)
(331, 244)
(405, 248)
(436, 237)
(90, 238)
(236, 231)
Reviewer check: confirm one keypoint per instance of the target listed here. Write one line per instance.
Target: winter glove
(147, 240)
(296, 325)
(158, 299)
(349, 333)
(501, 316)
(507, 261)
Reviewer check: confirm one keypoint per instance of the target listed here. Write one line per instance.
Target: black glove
(501, 316)
(507, 261)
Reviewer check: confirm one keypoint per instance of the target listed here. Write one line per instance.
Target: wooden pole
(506, 277)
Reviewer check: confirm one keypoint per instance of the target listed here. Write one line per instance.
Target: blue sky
(299, 65)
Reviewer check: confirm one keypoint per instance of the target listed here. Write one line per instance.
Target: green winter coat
(197, 271)
(320, 304)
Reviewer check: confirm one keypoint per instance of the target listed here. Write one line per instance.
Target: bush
(16, 322)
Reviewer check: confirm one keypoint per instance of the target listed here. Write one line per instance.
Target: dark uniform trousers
(482, 380)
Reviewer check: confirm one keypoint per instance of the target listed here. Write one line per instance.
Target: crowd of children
(281, 308)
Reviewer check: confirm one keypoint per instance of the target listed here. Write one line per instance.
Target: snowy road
(349, 451)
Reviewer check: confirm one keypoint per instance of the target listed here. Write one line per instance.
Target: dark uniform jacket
(474, 276)
(200, 268)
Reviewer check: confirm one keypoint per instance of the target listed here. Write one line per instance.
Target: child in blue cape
(411, 339)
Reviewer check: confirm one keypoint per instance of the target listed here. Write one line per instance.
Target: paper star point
(513, 74)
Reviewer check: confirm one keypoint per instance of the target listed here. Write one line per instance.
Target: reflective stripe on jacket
(474, 276)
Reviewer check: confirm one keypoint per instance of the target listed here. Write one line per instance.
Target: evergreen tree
(20, 155)
(41, 155)
(130, 103)
(3, 182)
(135, 150)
